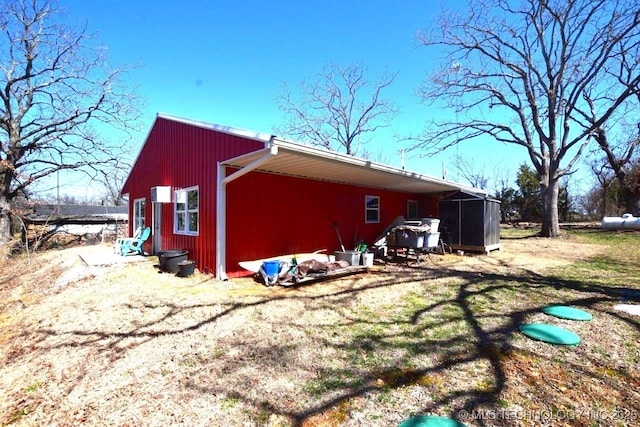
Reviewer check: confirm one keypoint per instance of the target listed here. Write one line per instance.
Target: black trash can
(170, 259)
(186, 268)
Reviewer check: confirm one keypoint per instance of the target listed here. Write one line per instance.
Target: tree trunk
(605, 195)
(5, 220)
(549, 195)
(631, 201)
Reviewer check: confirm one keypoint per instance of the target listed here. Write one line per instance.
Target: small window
(372, 209)
(186, 211)
(412, 209)
(139, 213)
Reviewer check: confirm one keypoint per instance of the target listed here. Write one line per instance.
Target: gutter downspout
(221, 205)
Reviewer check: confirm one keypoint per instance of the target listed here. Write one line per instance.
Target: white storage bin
(431, 240)
(433, 223)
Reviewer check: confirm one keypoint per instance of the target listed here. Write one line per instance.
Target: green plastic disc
(566, 312)
(431, 421)
(549, 333)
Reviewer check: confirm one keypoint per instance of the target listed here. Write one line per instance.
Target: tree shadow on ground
(420, 342)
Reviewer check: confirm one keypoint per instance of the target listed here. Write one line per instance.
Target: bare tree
(505, 193)
(338, 108)
(473, 173)
(56, 90)
(618, 138)
(620, 162)
(605, 179)
(112, 181)
(522, 72)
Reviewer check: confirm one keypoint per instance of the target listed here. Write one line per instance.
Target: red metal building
(228, 195)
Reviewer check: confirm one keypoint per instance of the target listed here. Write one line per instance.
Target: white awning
(304, 161)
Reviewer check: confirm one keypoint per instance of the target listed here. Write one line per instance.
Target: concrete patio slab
(103, 255)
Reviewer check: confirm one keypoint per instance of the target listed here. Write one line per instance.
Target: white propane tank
(626, 221)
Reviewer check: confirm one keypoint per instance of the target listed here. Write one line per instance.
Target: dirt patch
(127, 345)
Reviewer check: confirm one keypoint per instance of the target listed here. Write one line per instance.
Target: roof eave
(365, 163)
(309, 162)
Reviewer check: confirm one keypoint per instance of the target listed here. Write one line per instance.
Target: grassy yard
(129, 346)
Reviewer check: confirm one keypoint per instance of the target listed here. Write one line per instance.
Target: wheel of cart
(445, 240)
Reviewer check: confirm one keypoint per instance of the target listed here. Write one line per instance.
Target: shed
(228, 195)
(89, 222)
(471, 221)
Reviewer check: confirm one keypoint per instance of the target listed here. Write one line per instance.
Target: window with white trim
(139, 206)
(371, 209)
(186, 218)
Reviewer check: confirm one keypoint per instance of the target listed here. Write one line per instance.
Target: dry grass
(126, 345)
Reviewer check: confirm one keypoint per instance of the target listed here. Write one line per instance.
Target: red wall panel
(270, 215)
(182, 155)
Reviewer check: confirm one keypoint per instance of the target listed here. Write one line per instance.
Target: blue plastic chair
(133, 245)
(119, 240)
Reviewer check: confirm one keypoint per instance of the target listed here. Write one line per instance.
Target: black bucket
(170, 259)
(186, 268)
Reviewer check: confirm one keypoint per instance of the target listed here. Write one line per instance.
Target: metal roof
(244, 133)
(304, 161)
(78, 210)
(76, 214)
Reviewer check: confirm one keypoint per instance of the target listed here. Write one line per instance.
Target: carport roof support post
(221, 205)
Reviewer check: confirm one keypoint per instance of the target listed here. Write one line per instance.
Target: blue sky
(224, 61)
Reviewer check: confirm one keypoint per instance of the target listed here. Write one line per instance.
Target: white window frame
(368, 209)
(414, 203)
(182, 197)
(139, 213)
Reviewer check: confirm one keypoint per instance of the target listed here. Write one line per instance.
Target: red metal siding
(266, 214)
(428, 207)
(269, 214)
(181, 155)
